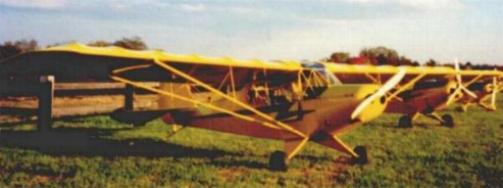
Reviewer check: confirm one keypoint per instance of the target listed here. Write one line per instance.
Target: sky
(470, 30)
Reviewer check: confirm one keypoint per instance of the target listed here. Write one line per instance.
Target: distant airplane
(437, 88)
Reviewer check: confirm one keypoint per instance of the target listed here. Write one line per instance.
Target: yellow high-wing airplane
(431, 89)
(284, 100)
(486, 92)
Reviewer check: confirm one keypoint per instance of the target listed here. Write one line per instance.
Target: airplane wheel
(405, 122)
(362, 158)
(277, 161)
(448, 121)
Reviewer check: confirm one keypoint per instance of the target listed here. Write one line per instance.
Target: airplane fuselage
(421, 100)
(328, 112)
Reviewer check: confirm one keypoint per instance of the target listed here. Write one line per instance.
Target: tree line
(386, 56)
(12, 48)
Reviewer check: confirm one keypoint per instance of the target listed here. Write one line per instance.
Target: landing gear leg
(362, 157)
(277, 161)
(359, 153)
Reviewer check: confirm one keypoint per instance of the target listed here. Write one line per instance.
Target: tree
(381, 55)
(431, 63)
(360, 60)
(60, 43)
(339, 57)
(133, 43)
(9, 48)
(100, 43)
(415, 63)
(26, 45)
(468, 65)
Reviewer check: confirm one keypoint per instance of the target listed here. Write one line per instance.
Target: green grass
(98, 152)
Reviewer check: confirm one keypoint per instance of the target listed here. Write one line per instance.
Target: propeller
(390, 84)
(459, 85)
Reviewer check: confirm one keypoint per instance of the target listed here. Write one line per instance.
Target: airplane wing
(79, 63)
(378, 74)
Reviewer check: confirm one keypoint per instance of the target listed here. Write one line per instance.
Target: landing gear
(277, 161)
(405, 122)
(462, 108)
(362, 158)
(448, 121)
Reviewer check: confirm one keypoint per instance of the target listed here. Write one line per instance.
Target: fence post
(129, 98)
(45, 99)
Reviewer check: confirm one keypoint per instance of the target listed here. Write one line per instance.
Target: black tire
(448, 121)
(362, 158)
(405, 122)
(277, 161)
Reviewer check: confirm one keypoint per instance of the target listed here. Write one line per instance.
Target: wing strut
(407, 85)
(210, 88)
(460, 87)
(336, 143)
(293, 146)
(207, 105)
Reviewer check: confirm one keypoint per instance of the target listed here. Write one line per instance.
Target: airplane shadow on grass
(91, 142)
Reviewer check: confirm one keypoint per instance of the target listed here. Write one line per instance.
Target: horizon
(302, 30)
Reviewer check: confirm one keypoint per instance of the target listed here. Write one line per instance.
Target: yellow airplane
(283, 100)
(435, 90)
(486, 92)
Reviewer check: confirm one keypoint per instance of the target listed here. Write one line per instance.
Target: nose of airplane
(374, 104)
(373, 110)
(451, 87)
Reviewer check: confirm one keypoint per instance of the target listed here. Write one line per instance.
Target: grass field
(98, 152)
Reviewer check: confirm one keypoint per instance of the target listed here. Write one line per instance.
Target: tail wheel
(405, 122)
(448, 121)
(362, 158)
(277, 161)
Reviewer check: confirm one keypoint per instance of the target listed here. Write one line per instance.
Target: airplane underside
(426, 103)
(318, 119)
